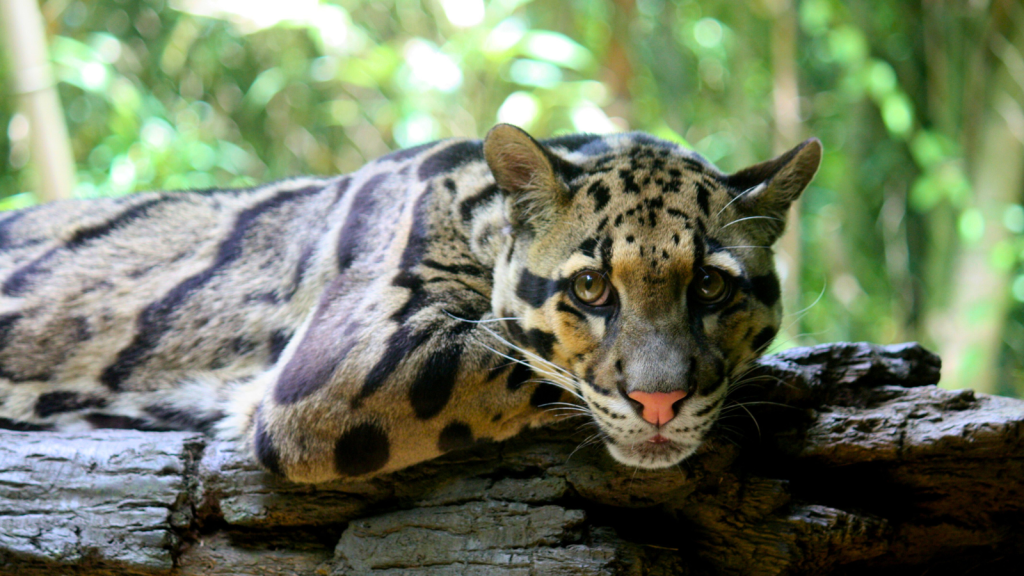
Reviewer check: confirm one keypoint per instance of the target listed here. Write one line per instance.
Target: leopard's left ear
(530, 175)
(767, 189)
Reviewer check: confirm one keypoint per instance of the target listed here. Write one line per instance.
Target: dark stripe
(157, 319)
(416, 246)
(459, 269)
(455, 436)
(7, 324)
(399, 346)
(433, 386)
(63, 401)
(323, 348)
(451, 158)
(19, 282)
(361, 450)
(185, 419)
(278, 340)
(563, 307)
(467, 206)
(98, 420)
(263, 446)
(357, 221)
(703, 196)
(8, 424)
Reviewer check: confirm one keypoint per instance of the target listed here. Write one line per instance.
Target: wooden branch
(855, 463)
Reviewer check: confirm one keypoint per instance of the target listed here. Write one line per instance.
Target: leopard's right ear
(530, 175)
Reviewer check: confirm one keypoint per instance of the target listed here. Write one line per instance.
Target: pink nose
(658, 405)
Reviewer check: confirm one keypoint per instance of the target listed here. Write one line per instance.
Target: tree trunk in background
(970, 328)
(788, 132)
(37, 95)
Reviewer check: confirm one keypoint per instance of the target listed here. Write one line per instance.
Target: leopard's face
(646, 293)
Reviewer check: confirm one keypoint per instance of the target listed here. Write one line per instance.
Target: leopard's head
(640, 277)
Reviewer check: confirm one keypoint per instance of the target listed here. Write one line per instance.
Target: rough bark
(834, 459)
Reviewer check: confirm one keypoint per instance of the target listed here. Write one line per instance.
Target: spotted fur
(355, 325)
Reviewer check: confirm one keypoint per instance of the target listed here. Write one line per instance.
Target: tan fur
(360, 324)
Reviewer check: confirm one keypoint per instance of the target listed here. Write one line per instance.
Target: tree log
(841, 458)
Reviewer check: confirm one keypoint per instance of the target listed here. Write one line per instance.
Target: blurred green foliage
(209, 93)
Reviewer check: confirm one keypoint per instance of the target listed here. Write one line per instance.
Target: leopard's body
(359, 324)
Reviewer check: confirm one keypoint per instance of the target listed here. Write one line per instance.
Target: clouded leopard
(438, 296)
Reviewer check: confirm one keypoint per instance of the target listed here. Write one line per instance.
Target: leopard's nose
(658, 406)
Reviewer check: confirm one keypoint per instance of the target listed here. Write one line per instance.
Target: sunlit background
(913, 229)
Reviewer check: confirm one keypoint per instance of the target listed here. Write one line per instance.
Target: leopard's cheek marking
(545, 394)
(455, 436)
(362, 449)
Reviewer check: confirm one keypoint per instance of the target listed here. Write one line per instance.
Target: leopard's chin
(652, 454)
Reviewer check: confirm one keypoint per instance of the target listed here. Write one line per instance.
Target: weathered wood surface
(855, 465)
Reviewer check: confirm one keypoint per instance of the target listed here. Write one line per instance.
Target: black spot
(482, 197)
(628, 182)
(406, 153)
(675, 239)
(630, 239)
(497, 417)
(541, 341)
(455, 436)
(618, 221)
(265, 450)
(677, 213)
(361, 450)
(357, 221)
(763, 339)
(618, 366)
(601, 194)
(451, 158)
(432, 388)
(545, 393)
(766, 289)
(520, 375)
(60, 402)
(157, 319)
(278, 340)
(400, 345)
(8, 424)
(587, 247)
(534, 290)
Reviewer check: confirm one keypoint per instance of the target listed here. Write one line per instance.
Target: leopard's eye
(711, 286)
(592, 288)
